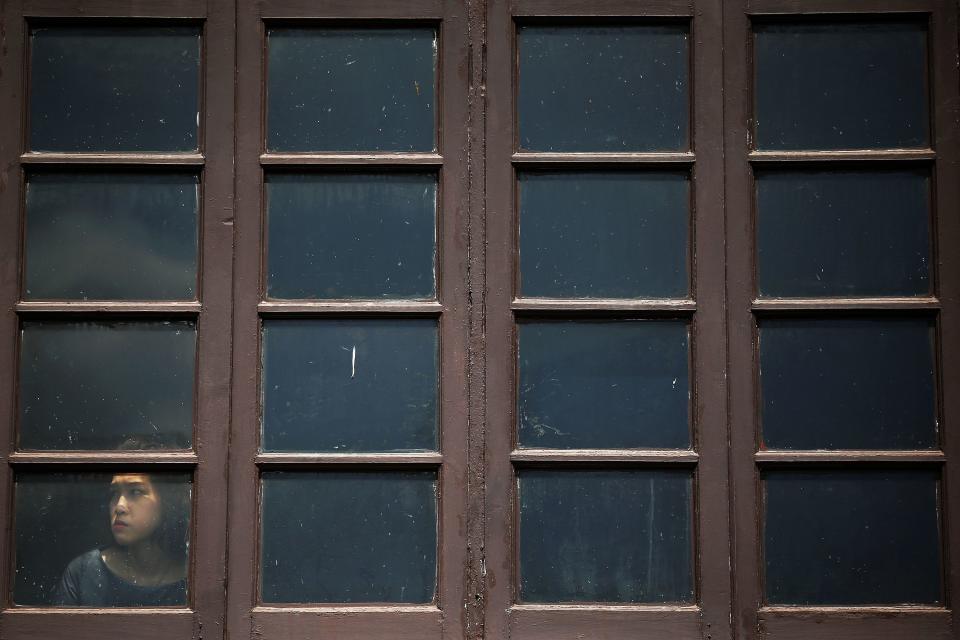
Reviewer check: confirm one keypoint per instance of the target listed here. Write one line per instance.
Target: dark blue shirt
(88, 582)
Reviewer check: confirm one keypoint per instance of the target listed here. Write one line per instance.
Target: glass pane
(852, 537)
(338, 89)
(856, 233)
(111, 236)
(94, 385)
(848, 383)
(99, 539)
(604, 235)
(350, 385)
(841, 85)
(604, 88)
(605, 536)
(349, 537)
(129, 88)
(604, 384)
(351, 235)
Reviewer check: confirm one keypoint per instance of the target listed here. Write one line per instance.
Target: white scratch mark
(353, 362)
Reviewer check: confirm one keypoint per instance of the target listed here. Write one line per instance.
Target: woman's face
(134, 508)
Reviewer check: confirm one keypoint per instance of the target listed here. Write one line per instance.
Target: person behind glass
(147, 563)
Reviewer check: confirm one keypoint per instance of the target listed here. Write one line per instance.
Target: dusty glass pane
(343, 89)
(123, 88)
(96, 539)
(841, 85)
(603, 235)
(349, 235)
(605, 536)
(93, 385)
(865, 537)
(349, 537)
(856, 233)
(119, 236)
(350, 385)
(854, 383)
(604, 88)
(604, 384)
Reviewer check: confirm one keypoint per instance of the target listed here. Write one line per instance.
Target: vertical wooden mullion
(744, 502)
(243, 486)
(945, 104)
(213, 326)
(12, 102)
(712, 539)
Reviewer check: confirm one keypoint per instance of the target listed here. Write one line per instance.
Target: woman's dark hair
(173, 489)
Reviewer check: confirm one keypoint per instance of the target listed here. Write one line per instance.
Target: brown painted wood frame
(212, 311)
(752, 618)
(708, 615)
(446, 616)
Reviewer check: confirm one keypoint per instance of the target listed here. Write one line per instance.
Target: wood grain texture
(532, 622)
(347, 623)
(71, 624)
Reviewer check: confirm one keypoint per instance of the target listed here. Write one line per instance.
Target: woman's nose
(122, 504)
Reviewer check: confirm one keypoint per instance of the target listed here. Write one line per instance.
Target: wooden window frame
(703, 309)
(251, 306)
(753, 618)
(477, 309)
(211, 310)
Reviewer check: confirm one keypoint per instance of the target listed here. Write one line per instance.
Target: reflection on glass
(120, 236)
(841, 85)
(92, 385)
(121, 88)
(606, 536)
(855, 233)
(852, 383)
(101, 539)
(603, 235)
(864, 537)
(603, 88)
(350, 385)
(349, 537)
(342, 89)
(604, 384)
(349, 235)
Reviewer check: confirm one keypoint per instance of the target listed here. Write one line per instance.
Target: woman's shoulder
(87, 561)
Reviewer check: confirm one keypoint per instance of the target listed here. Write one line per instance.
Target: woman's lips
(120, 525)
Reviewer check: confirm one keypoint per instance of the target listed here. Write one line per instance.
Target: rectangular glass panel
(344, 89)
(604, 88)
(604, 235)
(349, 537)
(97, 539)
(866, 537)
(604, 384)
(120, 88)
(119, 236)
(605, 536)
(855, 233)
(841, 85)
(349, 235)
(853, 383)
(94, 385)
(350, 385)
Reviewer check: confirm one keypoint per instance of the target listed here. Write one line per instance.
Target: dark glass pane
(605, 536)
(336, 89)
(111, 236)
(848, 384)
(80, 539)
(94, 385)
(349, 537)
(129, 88)
(604, 88)
(350, 385)
(597, 235)
(843, 85)
(852, 537)
(857, 233)
(351, 235)
(604, 384)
